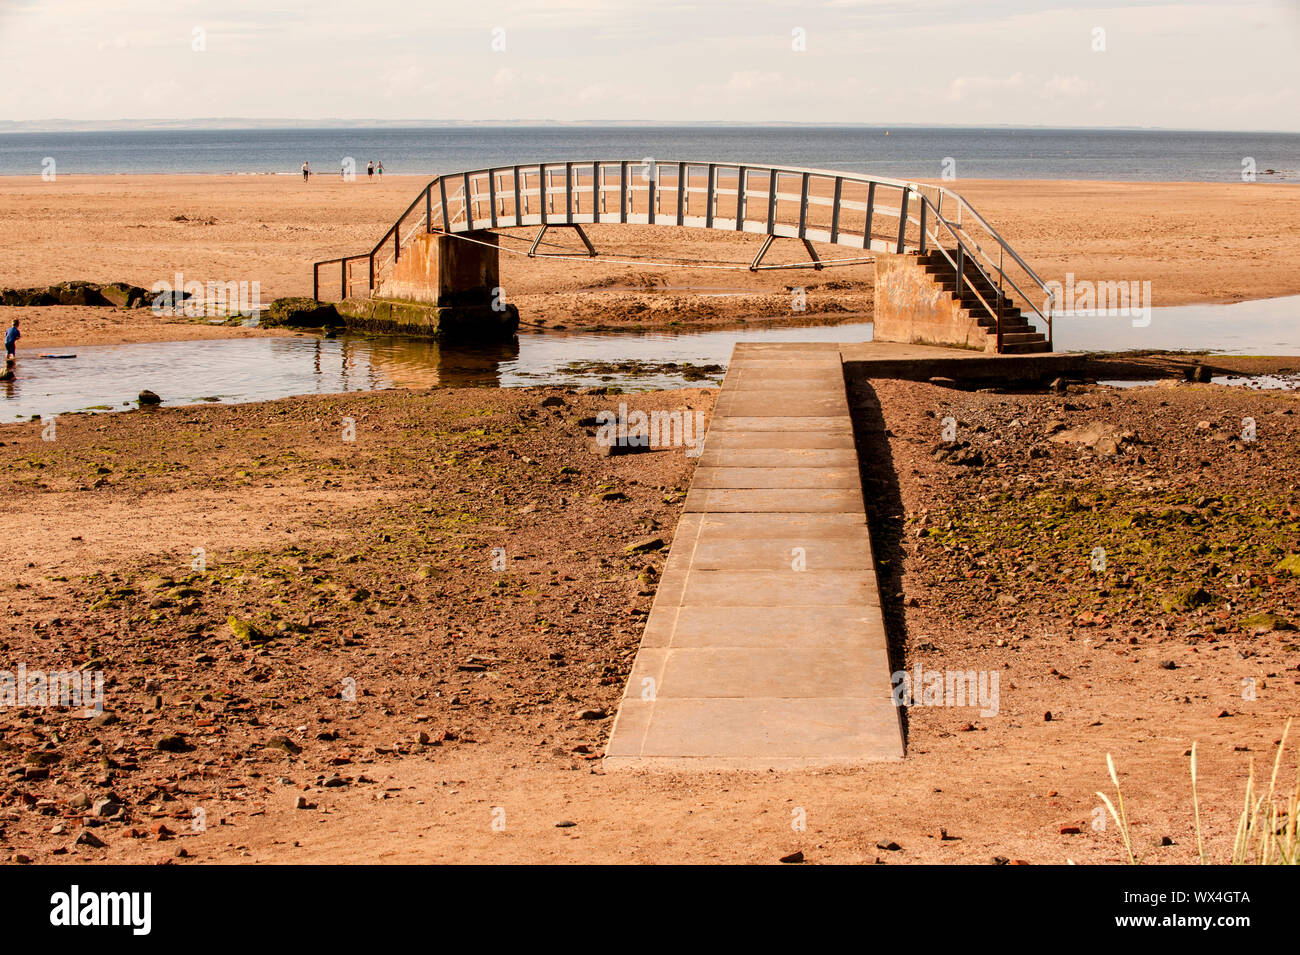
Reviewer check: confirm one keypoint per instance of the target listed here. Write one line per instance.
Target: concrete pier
(765, 647)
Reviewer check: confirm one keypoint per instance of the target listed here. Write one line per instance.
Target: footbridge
(944, 275)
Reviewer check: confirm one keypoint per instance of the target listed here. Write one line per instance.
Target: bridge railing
(867, 213)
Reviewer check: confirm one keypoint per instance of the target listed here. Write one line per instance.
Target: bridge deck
(748, 662)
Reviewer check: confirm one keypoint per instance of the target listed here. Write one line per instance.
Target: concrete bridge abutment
(441, 286)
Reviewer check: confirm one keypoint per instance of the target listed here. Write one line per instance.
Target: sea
(908, 152)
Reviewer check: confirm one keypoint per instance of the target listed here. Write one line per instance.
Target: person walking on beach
(379, 170)
(306, 171)
(370, 170)
(11, 341)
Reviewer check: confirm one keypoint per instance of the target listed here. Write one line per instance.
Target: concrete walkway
(765, 647)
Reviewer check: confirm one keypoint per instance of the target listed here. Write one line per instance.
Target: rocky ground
(413, 590)
(354, 672)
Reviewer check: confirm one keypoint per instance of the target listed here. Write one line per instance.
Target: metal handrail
(629, 190)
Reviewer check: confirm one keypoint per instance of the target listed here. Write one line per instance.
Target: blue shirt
(12, 336)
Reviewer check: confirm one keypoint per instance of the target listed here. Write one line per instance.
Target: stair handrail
(1004, 247)
(960, 271)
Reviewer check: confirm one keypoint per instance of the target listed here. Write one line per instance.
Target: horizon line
(235, 123)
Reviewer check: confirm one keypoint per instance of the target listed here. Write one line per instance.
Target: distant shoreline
(245, 124)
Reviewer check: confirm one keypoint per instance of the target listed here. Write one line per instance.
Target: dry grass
(1266, 830)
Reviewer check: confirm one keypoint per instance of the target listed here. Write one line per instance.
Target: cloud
(1066, 86)
(964, 87)
(754, 81)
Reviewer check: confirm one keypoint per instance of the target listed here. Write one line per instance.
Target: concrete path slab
(765, 647)
(774, 501)
(801, 477)
(773, 422)
(779, 439)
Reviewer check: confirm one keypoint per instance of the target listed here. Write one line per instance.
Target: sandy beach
(477, 686)
(1194, 242)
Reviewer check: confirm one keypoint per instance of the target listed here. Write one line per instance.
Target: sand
(1194, 242)
(372, 561)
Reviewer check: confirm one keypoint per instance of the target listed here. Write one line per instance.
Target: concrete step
(1024, 348)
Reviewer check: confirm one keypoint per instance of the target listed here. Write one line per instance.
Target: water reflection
(108, 377)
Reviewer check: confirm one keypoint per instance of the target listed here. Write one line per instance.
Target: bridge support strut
(532, 250)
(816, 262)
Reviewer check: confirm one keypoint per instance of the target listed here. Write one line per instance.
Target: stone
(591, 714)
(122, 295)
(645, 545)
(106, 807)
(553, 401)
(245, 630)
(300, 312)
(565, 824)
(1289, 565)
(284, 743)
(793, 857)
(888, 846)
(91, 840)
(1102, 437)
(1265, 622)
(173, 743)
(148, 398)
(1189, 598)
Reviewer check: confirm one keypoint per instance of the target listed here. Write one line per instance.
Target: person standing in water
(306, 171)
(11, 339)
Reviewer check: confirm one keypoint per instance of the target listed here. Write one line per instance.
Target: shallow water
(108, 377)
(1252, 382)
(1268, 326)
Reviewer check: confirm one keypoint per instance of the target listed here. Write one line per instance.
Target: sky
(1192, 65)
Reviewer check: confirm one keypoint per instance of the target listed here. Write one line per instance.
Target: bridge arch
(871, 214)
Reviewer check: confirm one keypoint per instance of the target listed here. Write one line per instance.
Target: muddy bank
(352, 641)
